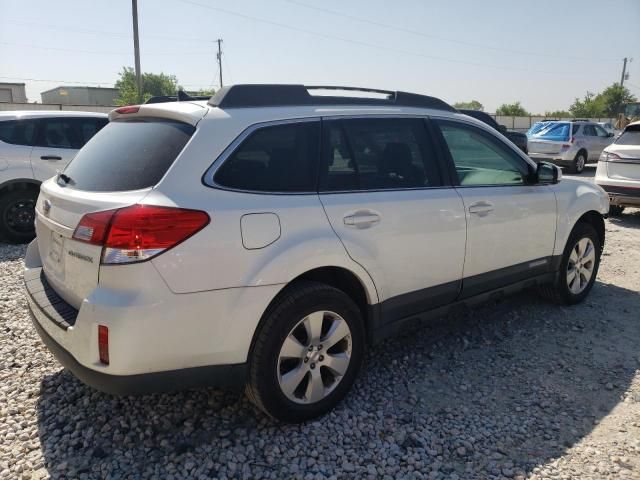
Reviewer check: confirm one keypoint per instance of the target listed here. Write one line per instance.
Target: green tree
(152, 84)
(512, 109)
(591, 106)
(613, 97)
(472, 105)
(558, 114)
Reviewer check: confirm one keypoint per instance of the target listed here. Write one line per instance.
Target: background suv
(33, 146)
(568, 143)
(265, 237)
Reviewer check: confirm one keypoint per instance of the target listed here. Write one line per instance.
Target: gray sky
(543, 52)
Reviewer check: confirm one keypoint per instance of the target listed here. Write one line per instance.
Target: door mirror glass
(502, 129)
(548, 173)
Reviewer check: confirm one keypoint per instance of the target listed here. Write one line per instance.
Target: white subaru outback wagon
(264, 238)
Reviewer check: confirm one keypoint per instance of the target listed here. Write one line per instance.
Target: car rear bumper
(157, 340)
(556, 159)
(232, 376)
(621, 195)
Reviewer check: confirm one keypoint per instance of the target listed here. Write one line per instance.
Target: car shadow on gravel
(495, 391)
(629, 219)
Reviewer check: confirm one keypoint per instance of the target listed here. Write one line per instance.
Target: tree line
(607, 103)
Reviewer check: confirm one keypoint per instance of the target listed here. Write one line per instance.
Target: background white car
(33, 146)
(618, 171)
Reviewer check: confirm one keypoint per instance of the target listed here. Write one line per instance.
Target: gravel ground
(515, 389)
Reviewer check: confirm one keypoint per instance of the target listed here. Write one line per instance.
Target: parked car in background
(618, 171)
(518, 138)
(537, 126)
(33, 146)
(264, 238)
(571, 144)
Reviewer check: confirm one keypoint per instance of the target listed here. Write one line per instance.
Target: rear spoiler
(182, 96)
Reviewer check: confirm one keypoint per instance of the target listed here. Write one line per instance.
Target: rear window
(128, 155)
(631, 136)
(556, 131)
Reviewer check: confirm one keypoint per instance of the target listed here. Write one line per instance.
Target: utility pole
(624, 71)
(136, 48)
(219, 57)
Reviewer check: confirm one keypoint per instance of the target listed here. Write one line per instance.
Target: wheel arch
(335, 276)
(596, 220)
(19, 183)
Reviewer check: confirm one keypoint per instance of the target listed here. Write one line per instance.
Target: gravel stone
(518, 389)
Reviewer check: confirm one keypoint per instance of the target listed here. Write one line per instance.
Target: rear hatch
(117, 168)
(623, 160)
(551, 138)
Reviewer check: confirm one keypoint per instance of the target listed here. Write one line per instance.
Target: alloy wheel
(314, 357)
(581, 264)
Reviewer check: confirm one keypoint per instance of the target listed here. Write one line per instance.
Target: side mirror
(502, 129)
(547, 173)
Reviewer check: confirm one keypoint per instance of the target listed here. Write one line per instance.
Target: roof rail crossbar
(274, 95)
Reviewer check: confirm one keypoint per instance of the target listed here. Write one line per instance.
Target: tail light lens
(609, 157)
(573, 140)
(139, 232)
(103, 344)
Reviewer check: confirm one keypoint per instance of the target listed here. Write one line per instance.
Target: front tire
(307, 353)
(578, 268)
(17, 214)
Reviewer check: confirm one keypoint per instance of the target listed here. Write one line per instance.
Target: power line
(367, 44)
(438, 37)
(97, 52)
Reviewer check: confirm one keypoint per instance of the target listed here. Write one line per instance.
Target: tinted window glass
(280, 158)
(574, 129)
(59, 133)
(555, 131)
(128, 155)
(589, 131)
(480, 158)
(378, 154)
(17, 132)
(89, 127)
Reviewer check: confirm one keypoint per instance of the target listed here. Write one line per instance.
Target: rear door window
(128, 155)
(277, 158)
(589, 131)
(58, 133)
(18, 132)
(378, 154)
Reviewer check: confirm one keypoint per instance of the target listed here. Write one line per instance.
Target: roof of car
(18, 114)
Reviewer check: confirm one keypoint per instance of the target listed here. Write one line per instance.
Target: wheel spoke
(337, 363)
(315, 387)
(338, 330)
(571, 275)
(292, 348)
(292, 380)
(573, 258)
(313, 326)
(584, 245)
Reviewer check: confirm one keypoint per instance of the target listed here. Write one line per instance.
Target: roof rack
(182, 96)
(274, 95)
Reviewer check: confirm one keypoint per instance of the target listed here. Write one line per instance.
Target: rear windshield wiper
(65, 178)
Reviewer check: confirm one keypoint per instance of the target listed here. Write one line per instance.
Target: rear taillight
(609, 157)
(138, 232)
(573, 140)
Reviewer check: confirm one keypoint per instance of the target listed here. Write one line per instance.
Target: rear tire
(291, 367)
(17, 214)
(578, 267)
(579, 162)
(615, 210)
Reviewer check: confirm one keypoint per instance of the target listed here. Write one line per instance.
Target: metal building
(12, 93)
(81, 96)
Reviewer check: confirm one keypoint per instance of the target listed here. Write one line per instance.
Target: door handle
(50, 157)
(362, 219)
(481, 208)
